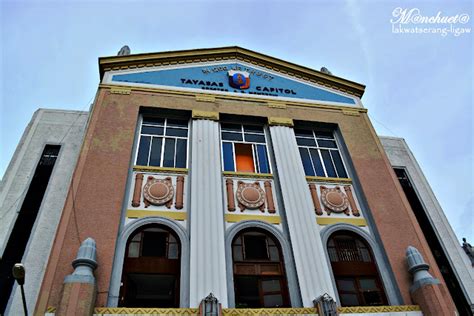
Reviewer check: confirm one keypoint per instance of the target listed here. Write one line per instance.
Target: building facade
(229, 172)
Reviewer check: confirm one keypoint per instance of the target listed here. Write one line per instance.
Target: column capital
(205, 115)
(280, 121)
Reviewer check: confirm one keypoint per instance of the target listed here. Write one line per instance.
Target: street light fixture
(18, 272)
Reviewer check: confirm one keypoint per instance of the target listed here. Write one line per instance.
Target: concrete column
(80, 289)
(207, 258)
(427, 291)
(311, 267)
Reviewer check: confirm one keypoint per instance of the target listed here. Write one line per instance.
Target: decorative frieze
(249, 195)
(158, 192)
(333, 199)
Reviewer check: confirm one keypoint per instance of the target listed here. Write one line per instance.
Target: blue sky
(419, 86)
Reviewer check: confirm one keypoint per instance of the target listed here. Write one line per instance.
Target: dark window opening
(355, 271)
(259, 271)
(23, 226)
(452, 283)
(151, 272)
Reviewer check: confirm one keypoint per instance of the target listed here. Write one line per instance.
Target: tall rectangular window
(244, 148)
(163, 142)
(319, 154)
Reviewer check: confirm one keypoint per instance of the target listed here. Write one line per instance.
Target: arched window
(259, 271)
(355, 271)
(151, 271)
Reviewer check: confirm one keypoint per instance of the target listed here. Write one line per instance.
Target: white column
(311, 266)
(207, 262)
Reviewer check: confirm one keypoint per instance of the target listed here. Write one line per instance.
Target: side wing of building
(453, 261)
(32, 195)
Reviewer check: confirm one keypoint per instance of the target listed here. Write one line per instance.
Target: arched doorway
(259, 270)
(151, 271)
(355, 270)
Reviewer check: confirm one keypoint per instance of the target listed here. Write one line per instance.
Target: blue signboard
(234, 78)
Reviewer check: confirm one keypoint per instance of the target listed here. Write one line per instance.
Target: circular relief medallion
(250, 195)
(158, 191)
(334, 200)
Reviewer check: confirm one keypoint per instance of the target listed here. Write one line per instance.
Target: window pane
(372, 298)
(253, 129)
(349, 300)
(346, 285)
(263, 159)
(244, 158)
(317, 162)
(247, 295)
(271, 285)
(255, 248)
(177, 132)
(154, 244)
(228, 153)
(274, 255)
(255, 138)
(328, 163)
(306, 141)
(154, 121)
(154, 130)
(173, 251)
(156, 151)
(231, 127)
(181, 149)
(231, 136)
(133, 250)
(168, 159)
(237, 251)
(367, 284)
(322, 134)
(308, 167)
(143, 148)
(304, 132)
(327, 143)
(336, 157)
(177, 123)
(274, 300)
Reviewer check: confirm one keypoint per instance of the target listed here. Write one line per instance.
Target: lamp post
(326, 305)
(18, 272)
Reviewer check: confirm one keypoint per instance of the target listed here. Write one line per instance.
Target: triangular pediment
(243, 75)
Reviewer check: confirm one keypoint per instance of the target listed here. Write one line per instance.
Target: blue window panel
(328, 163)
(154, 121)
(231, 127)
(155, 155)
(143, 149)
(317, 162)
(154, 130)
(304, 133)
(177, 132)
(306, 141)
(264, 166)
(322, 134)
(308, 168)
(254, 138)
(327, 143)
(228, 153)
(181, 149)
(336, 157)
(253, 129)
(231, 136)
(168, 158)
(177, 123)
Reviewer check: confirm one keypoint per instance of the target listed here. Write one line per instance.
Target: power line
(10, 208)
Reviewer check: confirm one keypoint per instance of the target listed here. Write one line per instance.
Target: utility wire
(10, 208)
